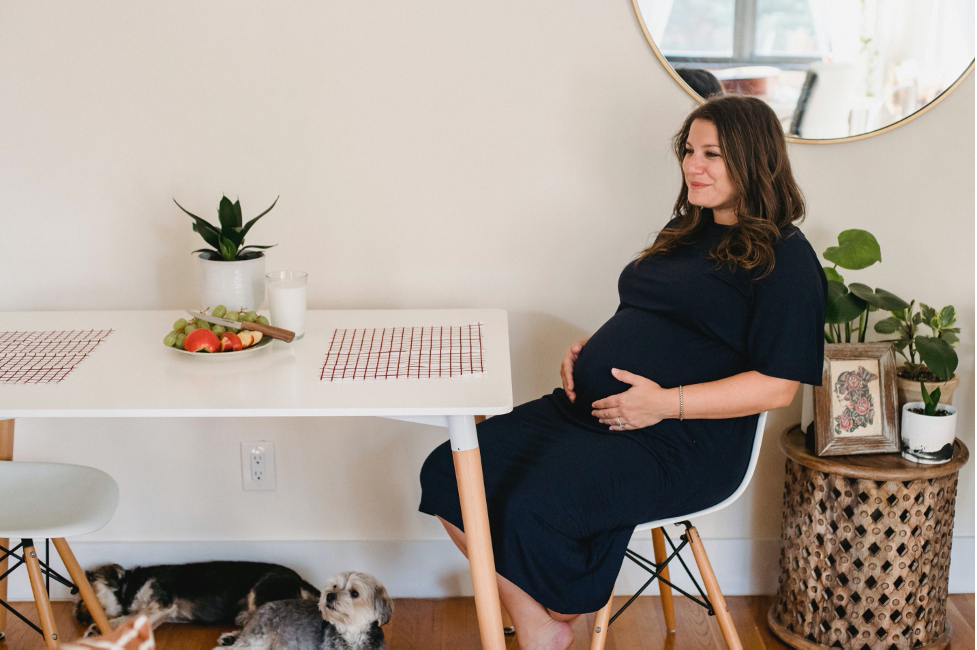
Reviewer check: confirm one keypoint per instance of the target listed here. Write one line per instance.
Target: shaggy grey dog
(348, 616)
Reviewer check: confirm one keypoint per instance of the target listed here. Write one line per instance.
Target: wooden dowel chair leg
(712, 588)
(601, 621)
(44, 610)
(6, 453)
(668, 607)
(84, 588)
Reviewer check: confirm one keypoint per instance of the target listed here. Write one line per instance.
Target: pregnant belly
(649, 345)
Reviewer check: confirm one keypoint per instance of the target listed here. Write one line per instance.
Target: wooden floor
(450, 624)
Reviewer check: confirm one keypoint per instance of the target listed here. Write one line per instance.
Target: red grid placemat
(45, 357)
(404, 353)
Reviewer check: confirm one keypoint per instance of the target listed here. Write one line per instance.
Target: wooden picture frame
(856, 405)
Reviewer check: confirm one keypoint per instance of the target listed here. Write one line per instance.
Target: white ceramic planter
(928, 439)
(236, 285)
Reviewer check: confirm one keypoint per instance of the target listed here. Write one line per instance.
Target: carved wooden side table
(865, 550)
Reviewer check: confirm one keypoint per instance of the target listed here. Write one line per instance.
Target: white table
(131, 374)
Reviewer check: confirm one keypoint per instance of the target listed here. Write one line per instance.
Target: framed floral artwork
(855, 407)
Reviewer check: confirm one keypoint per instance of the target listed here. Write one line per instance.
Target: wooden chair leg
(712, 588)
(6, 453)
(84, 588)
(601, 621)
(44, 610)
(668, 607)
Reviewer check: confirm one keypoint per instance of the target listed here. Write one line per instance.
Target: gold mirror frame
(792, 138)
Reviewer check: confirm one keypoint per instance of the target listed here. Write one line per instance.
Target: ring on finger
(619, 422)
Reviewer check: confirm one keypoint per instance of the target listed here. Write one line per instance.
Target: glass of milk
(286, 298)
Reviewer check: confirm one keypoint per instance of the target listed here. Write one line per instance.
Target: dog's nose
(330, 597)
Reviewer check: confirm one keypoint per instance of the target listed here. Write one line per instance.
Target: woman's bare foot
(552, 635)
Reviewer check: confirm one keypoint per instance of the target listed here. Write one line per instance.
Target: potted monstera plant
(231, 273)
(928, 427)
(848, 306)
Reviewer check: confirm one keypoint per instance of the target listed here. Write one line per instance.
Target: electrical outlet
(258, 464)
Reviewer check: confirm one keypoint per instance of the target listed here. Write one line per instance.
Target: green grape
(232, 315)
(169, 340)
(219, 311)
(180, 324)
(263, 320)
(234, 330)
(179, 340)
(189, 328)
(218, 329)
(251, 316)
(202, 324)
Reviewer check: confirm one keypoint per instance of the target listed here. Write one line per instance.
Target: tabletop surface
(876, 467)
(132, 374)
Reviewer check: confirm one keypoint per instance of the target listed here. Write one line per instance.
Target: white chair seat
(52, 500)
(754, 457)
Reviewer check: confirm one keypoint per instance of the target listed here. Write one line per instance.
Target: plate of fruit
(200, 339)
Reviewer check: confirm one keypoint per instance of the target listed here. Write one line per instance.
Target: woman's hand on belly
(566, 367)
(644, 404)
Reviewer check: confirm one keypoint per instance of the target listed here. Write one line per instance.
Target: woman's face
(705, 171)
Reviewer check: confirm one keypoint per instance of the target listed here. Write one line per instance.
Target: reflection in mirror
(829, 68)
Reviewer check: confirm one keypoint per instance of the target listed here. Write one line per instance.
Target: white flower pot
(928, 439)
(236, 285)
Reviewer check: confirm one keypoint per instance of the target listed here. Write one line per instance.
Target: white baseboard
(435, 569)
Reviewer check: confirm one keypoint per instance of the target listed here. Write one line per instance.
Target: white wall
(427, 154)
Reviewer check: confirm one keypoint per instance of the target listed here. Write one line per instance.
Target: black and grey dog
(348, 617)
(209, 593)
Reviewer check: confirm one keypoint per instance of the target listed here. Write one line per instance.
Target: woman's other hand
(566, 367)
(642, 405)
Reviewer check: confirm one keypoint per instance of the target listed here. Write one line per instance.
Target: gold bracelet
(680, 405)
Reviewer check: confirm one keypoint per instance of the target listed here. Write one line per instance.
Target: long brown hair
(768, 199)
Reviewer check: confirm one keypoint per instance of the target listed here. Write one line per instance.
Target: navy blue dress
(564, 493)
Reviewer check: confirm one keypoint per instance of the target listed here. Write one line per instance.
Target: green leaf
(866, 293)
(237, 214)
(930, 400)
(248, 225)
(228, 249)
(832, 274)
(917, 318)
(228, 217)
(928, 312)
(948, 316)
(938, 356)
(890, 301)
(842, 306)
(209, 233)
(888, 325)
(206, 250)
(949, 337)
(258, 247)
(856, 249)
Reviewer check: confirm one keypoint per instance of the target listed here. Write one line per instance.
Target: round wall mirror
(832, 70)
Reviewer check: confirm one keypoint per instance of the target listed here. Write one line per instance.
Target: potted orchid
(231, 273)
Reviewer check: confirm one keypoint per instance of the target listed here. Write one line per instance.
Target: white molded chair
(53, 501)
(659, 568)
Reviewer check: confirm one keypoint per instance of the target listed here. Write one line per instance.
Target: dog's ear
(382, 605)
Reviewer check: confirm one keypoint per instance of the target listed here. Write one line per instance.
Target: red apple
(247, 338)
(201, 339)
(230, 341)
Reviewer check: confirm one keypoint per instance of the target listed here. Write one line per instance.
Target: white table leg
(474, 513)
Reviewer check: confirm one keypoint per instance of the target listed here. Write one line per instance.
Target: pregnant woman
(719, 320)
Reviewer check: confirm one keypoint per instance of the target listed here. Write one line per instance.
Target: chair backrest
(754, 456)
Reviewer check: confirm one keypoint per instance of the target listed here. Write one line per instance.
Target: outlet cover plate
(258, 464)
